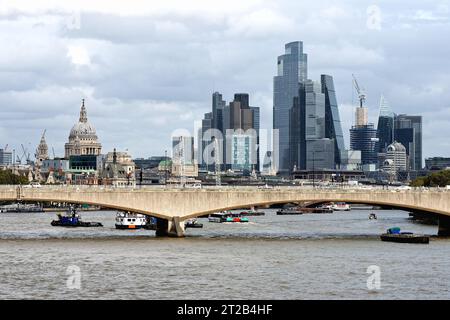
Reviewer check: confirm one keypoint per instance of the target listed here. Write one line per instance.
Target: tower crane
(361, 92)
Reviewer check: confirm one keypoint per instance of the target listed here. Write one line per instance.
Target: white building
(395, 159)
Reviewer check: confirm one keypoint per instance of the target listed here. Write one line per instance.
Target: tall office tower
(385, 128)
(217, 110)
(297, 131)
(319, 149)
(333, 128)
(225, 119)
(205, 156)
(241, 126)
(408, 131)
(364, 138)
(292, 70)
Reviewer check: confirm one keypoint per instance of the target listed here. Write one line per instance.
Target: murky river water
(272, 257)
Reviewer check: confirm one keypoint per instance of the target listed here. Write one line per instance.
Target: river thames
(312, 256)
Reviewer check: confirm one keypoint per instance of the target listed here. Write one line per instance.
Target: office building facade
(385, 127)
(292, 71)
(364, 138)
(333, 127)
(437, 163)
(230, 135)
(6, 157)
(408, 131)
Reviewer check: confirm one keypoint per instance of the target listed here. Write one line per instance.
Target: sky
(148, 68)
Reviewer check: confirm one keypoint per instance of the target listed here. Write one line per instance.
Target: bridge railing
(331, 188)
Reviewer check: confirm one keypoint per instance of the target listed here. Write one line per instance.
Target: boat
(193, 223)
(129, 220)
(252, 213)
(303, 210)
(373, 216)
(151, 223)
(218, 217)
(237, 218)
(73, 219)
(226, 216)
(340, 206)
(394, 235)
(290, 211)
(21, 208)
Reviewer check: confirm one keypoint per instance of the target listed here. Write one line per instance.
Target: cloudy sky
(147, 68)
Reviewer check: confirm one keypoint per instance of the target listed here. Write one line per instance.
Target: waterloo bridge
(172, 206)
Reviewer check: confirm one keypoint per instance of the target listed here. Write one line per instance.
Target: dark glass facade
(364, 138)
(84, 162)
(333, 127)
(292, 70)
(385, 127)
(437, 163)
(385, 130)
(413, 137)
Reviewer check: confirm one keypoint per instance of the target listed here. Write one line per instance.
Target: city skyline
(128, 99)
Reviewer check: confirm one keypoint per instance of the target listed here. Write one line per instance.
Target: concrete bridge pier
(444, 226)
(170, 228)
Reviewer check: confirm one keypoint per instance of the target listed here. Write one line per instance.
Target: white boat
(128, 220)
(340, 206)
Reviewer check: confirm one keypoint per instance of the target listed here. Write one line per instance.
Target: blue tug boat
(73, 219)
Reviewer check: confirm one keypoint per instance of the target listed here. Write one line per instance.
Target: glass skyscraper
(292, 71)
(385, 128)
(237, 129)
(364, 138)
(333, 128)
(408, 131)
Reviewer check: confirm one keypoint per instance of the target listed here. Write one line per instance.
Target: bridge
(172, 206)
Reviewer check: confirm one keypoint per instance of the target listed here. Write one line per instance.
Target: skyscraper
(385, 128)
(364, 138)
(236, 128)
(408, 131)
(333, 128)
(292, 71)
(241, 126)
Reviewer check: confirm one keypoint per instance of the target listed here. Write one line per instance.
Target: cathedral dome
(83, 129)
(83, 138)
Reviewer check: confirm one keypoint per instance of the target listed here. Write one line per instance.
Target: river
(313, 256)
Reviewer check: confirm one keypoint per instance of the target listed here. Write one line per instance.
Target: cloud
(147, 68)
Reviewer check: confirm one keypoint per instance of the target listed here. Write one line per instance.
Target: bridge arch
(181, 204)
(404, 207)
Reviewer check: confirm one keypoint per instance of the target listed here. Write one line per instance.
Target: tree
(435, 179)
(7, 177)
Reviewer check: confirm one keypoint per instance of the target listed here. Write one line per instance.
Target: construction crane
(24, 154)
(361, 92)
(6, 147)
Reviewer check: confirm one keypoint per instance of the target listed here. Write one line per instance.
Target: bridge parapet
(176, 205)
